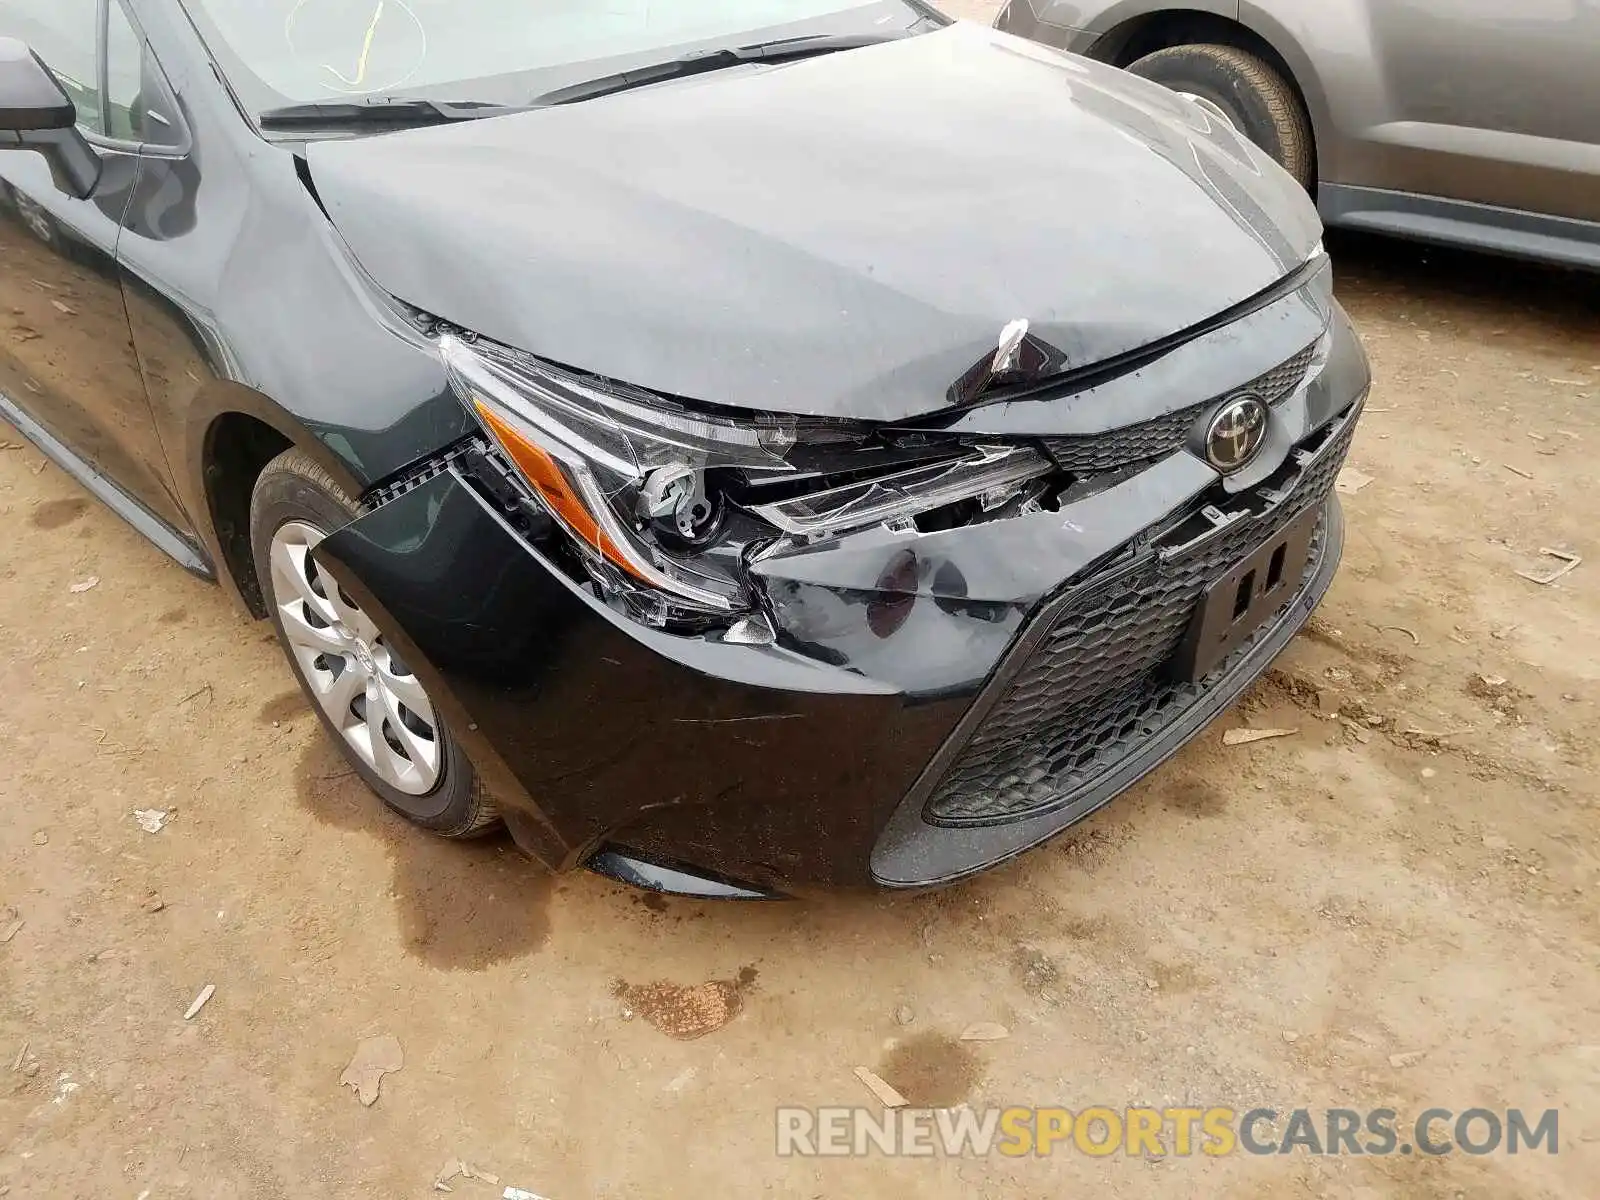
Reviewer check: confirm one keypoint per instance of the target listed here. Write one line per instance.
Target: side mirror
(37, 114)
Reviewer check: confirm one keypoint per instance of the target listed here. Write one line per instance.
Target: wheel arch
(232, 437)
(1145, 34)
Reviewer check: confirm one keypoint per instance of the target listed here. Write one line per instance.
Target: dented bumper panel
(751, 762)
(810, 760)
(931, 613)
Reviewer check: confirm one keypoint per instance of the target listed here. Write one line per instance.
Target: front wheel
(1254, 96)
(369, 700)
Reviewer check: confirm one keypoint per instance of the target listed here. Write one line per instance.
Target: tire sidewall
(283, 496)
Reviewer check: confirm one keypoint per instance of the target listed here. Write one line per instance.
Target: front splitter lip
(912, 853)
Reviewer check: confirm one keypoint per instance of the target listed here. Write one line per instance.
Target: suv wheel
(1260, 102)
(367, 697)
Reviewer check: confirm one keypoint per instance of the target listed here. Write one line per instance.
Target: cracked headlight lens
(608, 464)
(665, 500)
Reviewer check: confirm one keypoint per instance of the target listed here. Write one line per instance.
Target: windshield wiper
(704, 61)
(380, 111)
(409, 111)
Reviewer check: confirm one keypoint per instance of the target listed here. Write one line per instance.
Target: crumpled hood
(840, 236)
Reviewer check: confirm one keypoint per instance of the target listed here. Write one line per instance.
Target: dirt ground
(1409, 879)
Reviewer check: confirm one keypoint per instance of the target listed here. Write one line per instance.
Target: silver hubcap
(374, 701)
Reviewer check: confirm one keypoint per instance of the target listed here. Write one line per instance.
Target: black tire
(1261, 103)
(295, 488)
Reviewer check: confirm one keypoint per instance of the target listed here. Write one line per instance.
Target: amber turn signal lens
(551, 482)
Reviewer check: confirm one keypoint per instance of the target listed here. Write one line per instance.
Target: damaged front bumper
(933, 704)
(1086, 702)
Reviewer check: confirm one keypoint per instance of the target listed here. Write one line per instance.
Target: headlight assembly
(666, 500)
(606, 464)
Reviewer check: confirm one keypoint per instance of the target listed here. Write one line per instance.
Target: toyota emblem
(1235, 432)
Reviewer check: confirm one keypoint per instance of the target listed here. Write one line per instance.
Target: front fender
(242, 301)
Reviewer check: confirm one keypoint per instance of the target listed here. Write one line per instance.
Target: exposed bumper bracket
(674, 881)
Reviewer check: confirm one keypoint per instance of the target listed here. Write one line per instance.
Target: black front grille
(1095, 687)
(1282, 380)
(1158, 437)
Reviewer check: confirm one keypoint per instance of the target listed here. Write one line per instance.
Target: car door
(1493, 101)
(66, 350)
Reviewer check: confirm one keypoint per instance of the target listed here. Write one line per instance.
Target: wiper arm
(381, 111)
(706, 61)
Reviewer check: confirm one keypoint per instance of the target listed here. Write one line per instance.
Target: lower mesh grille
(1095, 688)
(1161, 436)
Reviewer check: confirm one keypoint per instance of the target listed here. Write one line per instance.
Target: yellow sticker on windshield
(388, 44)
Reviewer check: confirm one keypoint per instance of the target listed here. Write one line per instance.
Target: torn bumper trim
(673, 881)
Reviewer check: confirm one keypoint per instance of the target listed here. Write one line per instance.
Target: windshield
(500, 51)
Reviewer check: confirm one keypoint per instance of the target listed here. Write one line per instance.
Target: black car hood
(840, 236)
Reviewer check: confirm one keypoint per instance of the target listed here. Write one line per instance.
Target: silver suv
(1465, 121)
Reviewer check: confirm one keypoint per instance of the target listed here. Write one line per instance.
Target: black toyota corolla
(743, 447)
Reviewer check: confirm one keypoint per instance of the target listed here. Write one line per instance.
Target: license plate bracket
(1235, 605)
